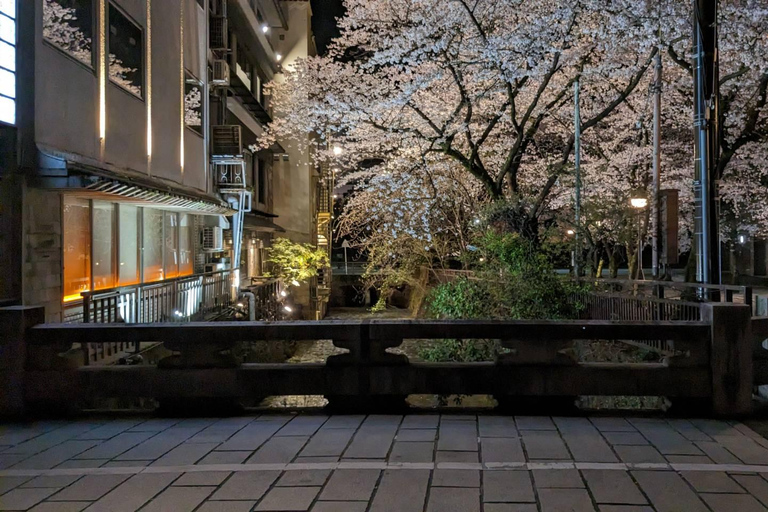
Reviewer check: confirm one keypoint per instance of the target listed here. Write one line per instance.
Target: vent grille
(212, 239)
(227, 141)
(219, 33)
(220, 73)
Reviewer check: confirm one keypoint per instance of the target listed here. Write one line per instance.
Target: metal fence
(182, 299)
(610, 306)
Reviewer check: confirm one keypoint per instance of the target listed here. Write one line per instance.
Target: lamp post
(639, 203)
(571, 232)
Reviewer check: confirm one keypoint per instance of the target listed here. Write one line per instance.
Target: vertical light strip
(181, 35)
(149, 86)
(102, 74)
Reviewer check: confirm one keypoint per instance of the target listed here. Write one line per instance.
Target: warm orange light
(72, 298)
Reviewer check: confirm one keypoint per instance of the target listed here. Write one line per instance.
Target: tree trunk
(613, 262)
(632, 265)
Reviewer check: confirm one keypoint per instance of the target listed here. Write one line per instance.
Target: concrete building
(111, 116)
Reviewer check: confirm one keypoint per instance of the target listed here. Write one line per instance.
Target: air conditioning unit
(227, 141)
(220, 73)
(212, 239)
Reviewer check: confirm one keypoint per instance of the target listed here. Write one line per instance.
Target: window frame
(94, 26)
(115, 252)
(190, 78)
(14, 72)
(108, 36)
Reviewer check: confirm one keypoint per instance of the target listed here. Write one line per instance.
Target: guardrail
(711, 361)
(615, 306)
(666, 289)
(267, 294)
(181, 299)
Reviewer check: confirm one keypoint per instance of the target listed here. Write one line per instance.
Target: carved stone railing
(710, 361)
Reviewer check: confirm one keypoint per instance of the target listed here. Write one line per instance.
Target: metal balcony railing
(182, 299)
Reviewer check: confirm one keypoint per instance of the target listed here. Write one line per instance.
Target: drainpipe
(237, 233)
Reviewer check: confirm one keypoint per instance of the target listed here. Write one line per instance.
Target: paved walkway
(383, 464)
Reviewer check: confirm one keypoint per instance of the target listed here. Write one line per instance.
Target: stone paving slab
(356, 463)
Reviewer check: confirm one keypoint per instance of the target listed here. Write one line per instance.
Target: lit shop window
(76, 247)
(109, 245)
(103, 245)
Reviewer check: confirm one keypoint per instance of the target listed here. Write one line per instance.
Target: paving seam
(489, 466)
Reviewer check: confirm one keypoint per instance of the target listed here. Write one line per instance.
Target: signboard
(670, 212)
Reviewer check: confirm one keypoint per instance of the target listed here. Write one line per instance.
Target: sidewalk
(461, 463)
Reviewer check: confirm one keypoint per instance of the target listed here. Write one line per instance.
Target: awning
(66, 173)
(143, 196)
(260, 223)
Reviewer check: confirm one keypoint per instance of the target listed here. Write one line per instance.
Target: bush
(461, 351)
(513, 280)
(296, 262)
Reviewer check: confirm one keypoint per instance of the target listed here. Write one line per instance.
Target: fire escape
(324, 186)
(227, 157)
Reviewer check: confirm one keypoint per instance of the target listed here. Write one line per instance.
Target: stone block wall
(42, 266)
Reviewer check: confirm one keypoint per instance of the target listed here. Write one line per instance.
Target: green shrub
(513, 279)
(293, 261)
(460, 351)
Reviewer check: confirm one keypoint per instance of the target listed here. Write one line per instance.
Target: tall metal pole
(706, 152)
(577, 161)
(655, 202)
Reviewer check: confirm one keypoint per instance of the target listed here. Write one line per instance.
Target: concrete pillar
(14, 323)
(730, 357)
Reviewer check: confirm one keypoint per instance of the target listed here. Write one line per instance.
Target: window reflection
(76, 247)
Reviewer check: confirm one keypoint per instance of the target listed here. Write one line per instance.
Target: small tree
(294, 262)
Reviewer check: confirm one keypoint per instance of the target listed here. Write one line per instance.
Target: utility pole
(577, 161)
(707, 149)
(656, 185)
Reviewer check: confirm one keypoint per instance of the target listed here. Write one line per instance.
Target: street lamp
(337, 150)
(639, 202)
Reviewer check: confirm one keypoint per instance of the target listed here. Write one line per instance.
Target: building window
(171, 254)
(244, 67)
(68, 25)
(261, 173)
(186, 255)
(76, 247)
(103, 243)
(8, 61)
(126, 56)
(152, 244)
(193, 104)
(107, 245)
(128, 245)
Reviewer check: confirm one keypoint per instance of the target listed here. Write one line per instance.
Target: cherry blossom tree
(617, 155)
(461, 103)
(483, 85)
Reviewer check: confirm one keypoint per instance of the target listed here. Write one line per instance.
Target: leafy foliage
(513, 280)
(296, 262)
(460, 351)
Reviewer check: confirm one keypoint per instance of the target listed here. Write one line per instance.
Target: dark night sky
(324, 14)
